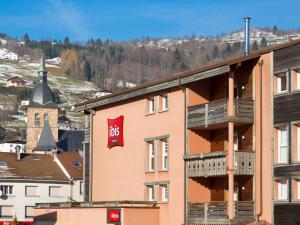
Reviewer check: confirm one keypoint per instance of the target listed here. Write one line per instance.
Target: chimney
(18, 151)
(54, 153)
(247, 35)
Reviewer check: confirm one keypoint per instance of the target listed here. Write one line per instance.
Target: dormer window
(76, 164)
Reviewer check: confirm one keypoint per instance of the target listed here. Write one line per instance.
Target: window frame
(164, 154)
(13, 211)
(150, 193)
(38, 193)
(8, 190)
(164, 189)
(150, 105)
(279, 189)
(27, 206)
(279, 83)
(151, 156)
(59, 196)
(280, 146)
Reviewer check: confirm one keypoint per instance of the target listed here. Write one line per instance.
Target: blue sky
(128, 19)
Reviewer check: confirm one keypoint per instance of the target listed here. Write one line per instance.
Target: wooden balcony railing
(215, 164)
(216, 212)
(215, 112)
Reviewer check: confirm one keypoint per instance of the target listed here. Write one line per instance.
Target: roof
(70, 140)
(46, 141)
(222, 66)
(73, 163)
(42, 96)
(17, 79)
(31, 166)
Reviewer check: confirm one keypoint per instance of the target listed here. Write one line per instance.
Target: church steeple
(42, 72)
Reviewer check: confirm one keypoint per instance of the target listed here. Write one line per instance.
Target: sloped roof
(42, 96)
(177, 76)
(17, 79)
(31, 166)
(46, 141)
(70, 140)
(68, 160)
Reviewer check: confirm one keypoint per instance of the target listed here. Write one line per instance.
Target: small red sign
(115, 132)
(113, 215)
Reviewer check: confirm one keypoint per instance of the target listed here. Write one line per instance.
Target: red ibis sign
(115, 132)
(113, 215)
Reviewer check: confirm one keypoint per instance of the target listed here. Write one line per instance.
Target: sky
(121, 20)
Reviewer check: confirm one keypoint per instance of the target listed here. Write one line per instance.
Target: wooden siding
(286, 58)
(287, 108)
(216, 213)
(287, 214)
(214, 164)
(214, 113)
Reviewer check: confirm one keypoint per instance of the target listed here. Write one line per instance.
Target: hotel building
(213, 145)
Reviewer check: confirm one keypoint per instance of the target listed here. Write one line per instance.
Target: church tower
(42, 114)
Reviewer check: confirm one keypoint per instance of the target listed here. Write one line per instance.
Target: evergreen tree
(66, 41)
(26, 37)
(263, 42)
(254, 46)
(215, 53)
(275, 30)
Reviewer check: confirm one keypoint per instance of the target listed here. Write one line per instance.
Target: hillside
(78, 70)
(70, 91)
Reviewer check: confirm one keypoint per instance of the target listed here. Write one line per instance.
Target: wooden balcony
(214, 114)
(216, 213)
(215, 164)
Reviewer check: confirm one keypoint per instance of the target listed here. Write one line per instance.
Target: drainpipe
(230, 153)
(259, 154)
(92, 113)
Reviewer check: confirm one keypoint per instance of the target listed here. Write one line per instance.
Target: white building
(27, 179)
(12, 146)
(6, 54)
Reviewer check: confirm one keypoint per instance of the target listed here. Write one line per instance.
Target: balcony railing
(215, 164)
(215, 112)
(216, 213)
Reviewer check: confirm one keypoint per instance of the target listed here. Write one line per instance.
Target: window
(164, 154)
(55, 191)
(298, 79)
(282, 83)
(151, 105)
(282, 145)
(151, 155)
(282, 190)
(31, 191)
(164, 102)
(36, 119)
(29, 211)
(296, 189)
(164, 192)
(151, 192)
(7, 189)
(3, 165)
(81, 187)
(6, 211)
(76, 164)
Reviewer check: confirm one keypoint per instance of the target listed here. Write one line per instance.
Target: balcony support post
(230, 155)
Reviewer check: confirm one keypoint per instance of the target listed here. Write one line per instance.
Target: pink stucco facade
(119, 173)
(95, 216)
